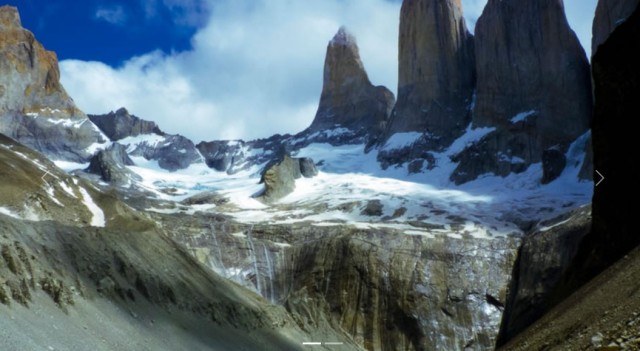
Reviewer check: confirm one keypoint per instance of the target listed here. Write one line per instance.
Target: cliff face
(349, 100)
(533, 76)
(616, 78)
(554, 264)
(436, 70)
(609, 14)
(388, 290)
(30, 88)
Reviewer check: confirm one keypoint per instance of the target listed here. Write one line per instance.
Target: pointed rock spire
(436, 70)
(348, 98)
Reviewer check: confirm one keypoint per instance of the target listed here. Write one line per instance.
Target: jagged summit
(348, 98)
(9, 17)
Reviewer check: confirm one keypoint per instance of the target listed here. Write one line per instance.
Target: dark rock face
(436, 71)
(554, 264)
(307, 167)
(34, 107)
(279, 178)
(120, 124)
(348, 99)
(609, 14)
(553, 163)
(174, 153)
(543, 260)
(233, 156)
(110, 165)
(616, 77)
(533, 76)
(223, 155)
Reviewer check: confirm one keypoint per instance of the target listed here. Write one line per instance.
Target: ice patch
(522, 116)
(97, 216)
(8, 212)
(401, 140)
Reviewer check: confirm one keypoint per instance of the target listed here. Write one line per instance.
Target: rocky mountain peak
(121, 124)
(9, 17)
(29, 74)
(436, 70)
(34, 107)
(348, 97)
(344, 38)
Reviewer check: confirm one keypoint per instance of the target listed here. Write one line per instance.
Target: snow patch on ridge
(97, 216)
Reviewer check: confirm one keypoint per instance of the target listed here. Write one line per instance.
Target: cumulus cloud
(255, 68)
(114, 15)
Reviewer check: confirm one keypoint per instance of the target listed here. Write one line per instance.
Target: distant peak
(122, 111)
(9, 17)
(344, 37)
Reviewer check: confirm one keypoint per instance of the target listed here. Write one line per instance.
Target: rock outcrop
(533, 76)
(609, 14)
(436, 71)
(279, 178)
(110, 164)
(144, 138)
(348, 99)
(120, 124)
(34, 107)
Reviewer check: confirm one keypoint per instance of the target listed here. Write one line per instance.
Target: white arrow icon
(601, 178)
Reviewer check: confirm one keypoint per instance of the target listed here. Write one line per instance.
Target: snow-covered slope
(352, 188)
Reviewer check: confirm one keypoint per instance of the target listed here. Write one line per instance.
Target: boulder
(348, 99)
(436, 71)
(279, 177)
(553, 163)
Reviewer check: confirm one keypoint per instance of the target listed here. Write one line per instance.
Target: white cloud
(114, 15)
(255, 68)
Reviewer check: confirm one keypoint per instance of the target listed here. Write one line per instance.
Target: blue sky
(221, 69)
(112, 31)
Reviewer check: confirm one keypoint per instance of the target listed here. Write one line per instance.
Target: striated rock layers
(436, 71)
(34, 107)
(348, 99)
(389, 291)
(533, 86)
